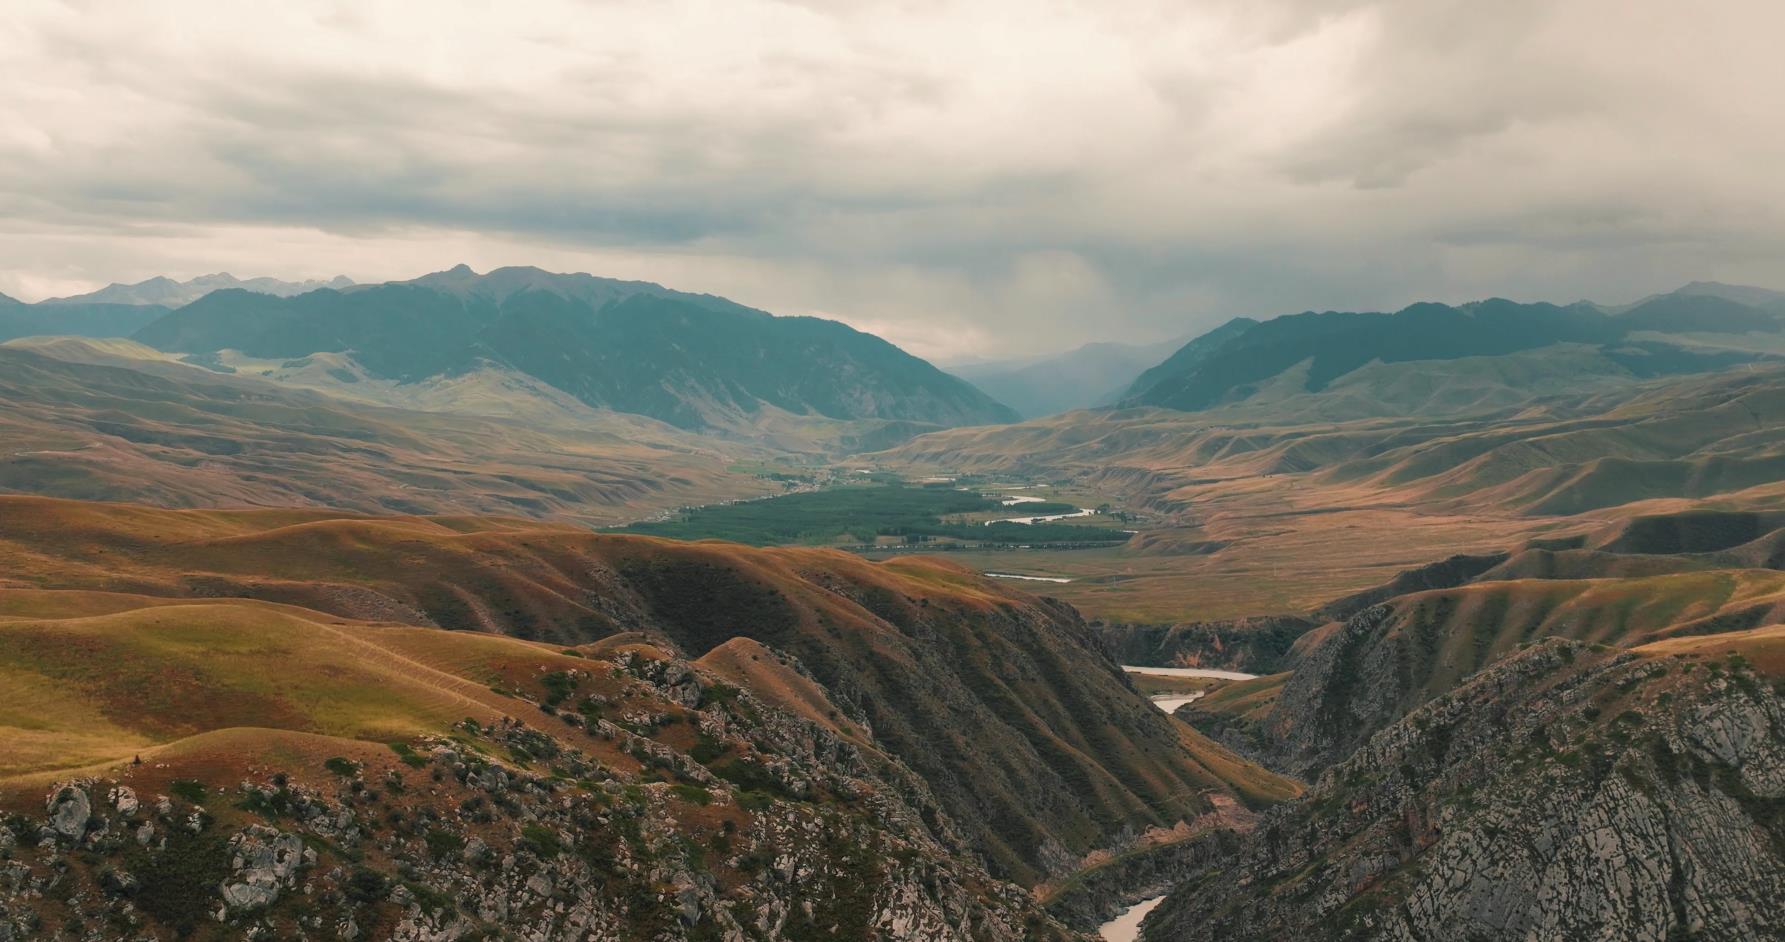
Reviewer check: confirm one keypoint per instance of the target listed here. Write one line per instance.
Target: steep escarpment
(271, 772)
(1027, 733)
(1358, 676)
(1566, 792)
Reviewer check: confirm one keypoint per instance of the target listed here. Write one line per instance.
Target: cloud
(1007, 175)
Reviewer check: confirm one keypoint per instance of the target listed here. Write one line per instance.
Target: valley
(892, 472)
(450, 650)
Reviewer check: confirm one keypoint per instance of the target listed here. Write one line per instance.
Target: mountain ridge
(695, 361)
(171, 293)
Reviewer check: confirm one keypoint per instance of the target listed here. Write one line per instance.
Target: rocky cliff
(1029, 736)
(636, 797)
(1569, 792)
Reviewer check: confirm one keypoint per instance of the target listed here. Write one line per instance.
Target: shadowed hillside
(694, 361)
(1029, 735)
(221, 768)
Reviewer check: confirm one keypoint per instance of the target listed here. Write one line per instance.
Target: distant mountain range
(693, 360)
(1311, 352)
(169, 293)
(74, 318)
(1095, 374)
(119, 310)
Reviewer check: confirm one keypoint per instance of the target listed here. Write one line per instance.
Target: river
(1186, 672)
(1170, 704)
(1044, 518)
(1126, 927)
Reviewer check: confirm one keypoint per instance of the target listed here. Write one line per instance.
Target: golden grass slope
(175, 435)
(1004, 702)
(1260, 512)
(93, 678)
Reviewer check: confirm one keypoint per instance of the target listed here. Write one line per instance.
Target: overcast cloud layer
(963, 178)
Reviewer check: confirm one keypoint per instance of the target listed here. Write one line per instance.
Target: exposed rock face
(1006, 705)
(69, 811)
(768, 827)
(265, 862)
(1566, 793)
(1346, 688)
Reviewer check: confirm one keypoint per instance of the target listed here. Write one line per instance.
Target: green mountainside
(694, 361)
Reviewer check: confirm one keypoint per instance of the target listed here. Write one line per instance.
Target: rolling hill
(1031, 739)
(694, 361)
(1597, 716)
(221, 768)
(1362, 663)
(1251, 515)
(77, 424)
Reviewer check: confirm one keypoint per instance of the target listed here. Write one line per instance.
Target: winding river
(1170, 702)
(1126, 927)
(1186, 672)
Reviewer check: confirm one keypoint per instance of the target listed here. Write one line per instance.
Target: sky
(967, 179)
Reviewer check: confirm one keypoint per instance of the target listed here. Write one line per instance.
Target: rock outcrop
(678, 809)
(1568, 792)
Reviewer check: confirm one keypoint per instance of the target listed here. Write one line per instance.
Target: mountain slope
(1186, 358)
(283, 771)
(1566, 792)
(80, 319)
(694, 361)
(178, 435)
(1030, 737)
(1307, 353)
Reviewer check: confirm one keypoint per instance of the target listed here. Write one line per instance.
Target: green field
(873, 514)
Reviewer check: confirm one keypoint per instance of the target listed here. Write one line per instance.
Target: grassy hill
(1385, 656)
(1031, 738)
(173, 434)
(1255, 515)
(245, 767)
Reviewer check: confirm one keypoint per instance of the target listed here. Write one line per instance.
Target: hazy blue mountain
(1311, 350)
(170, 293)
(1092, 375)
(18, 319)
(1765, 298)
(689, 359)
(1241, 358)
(1697, 313)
